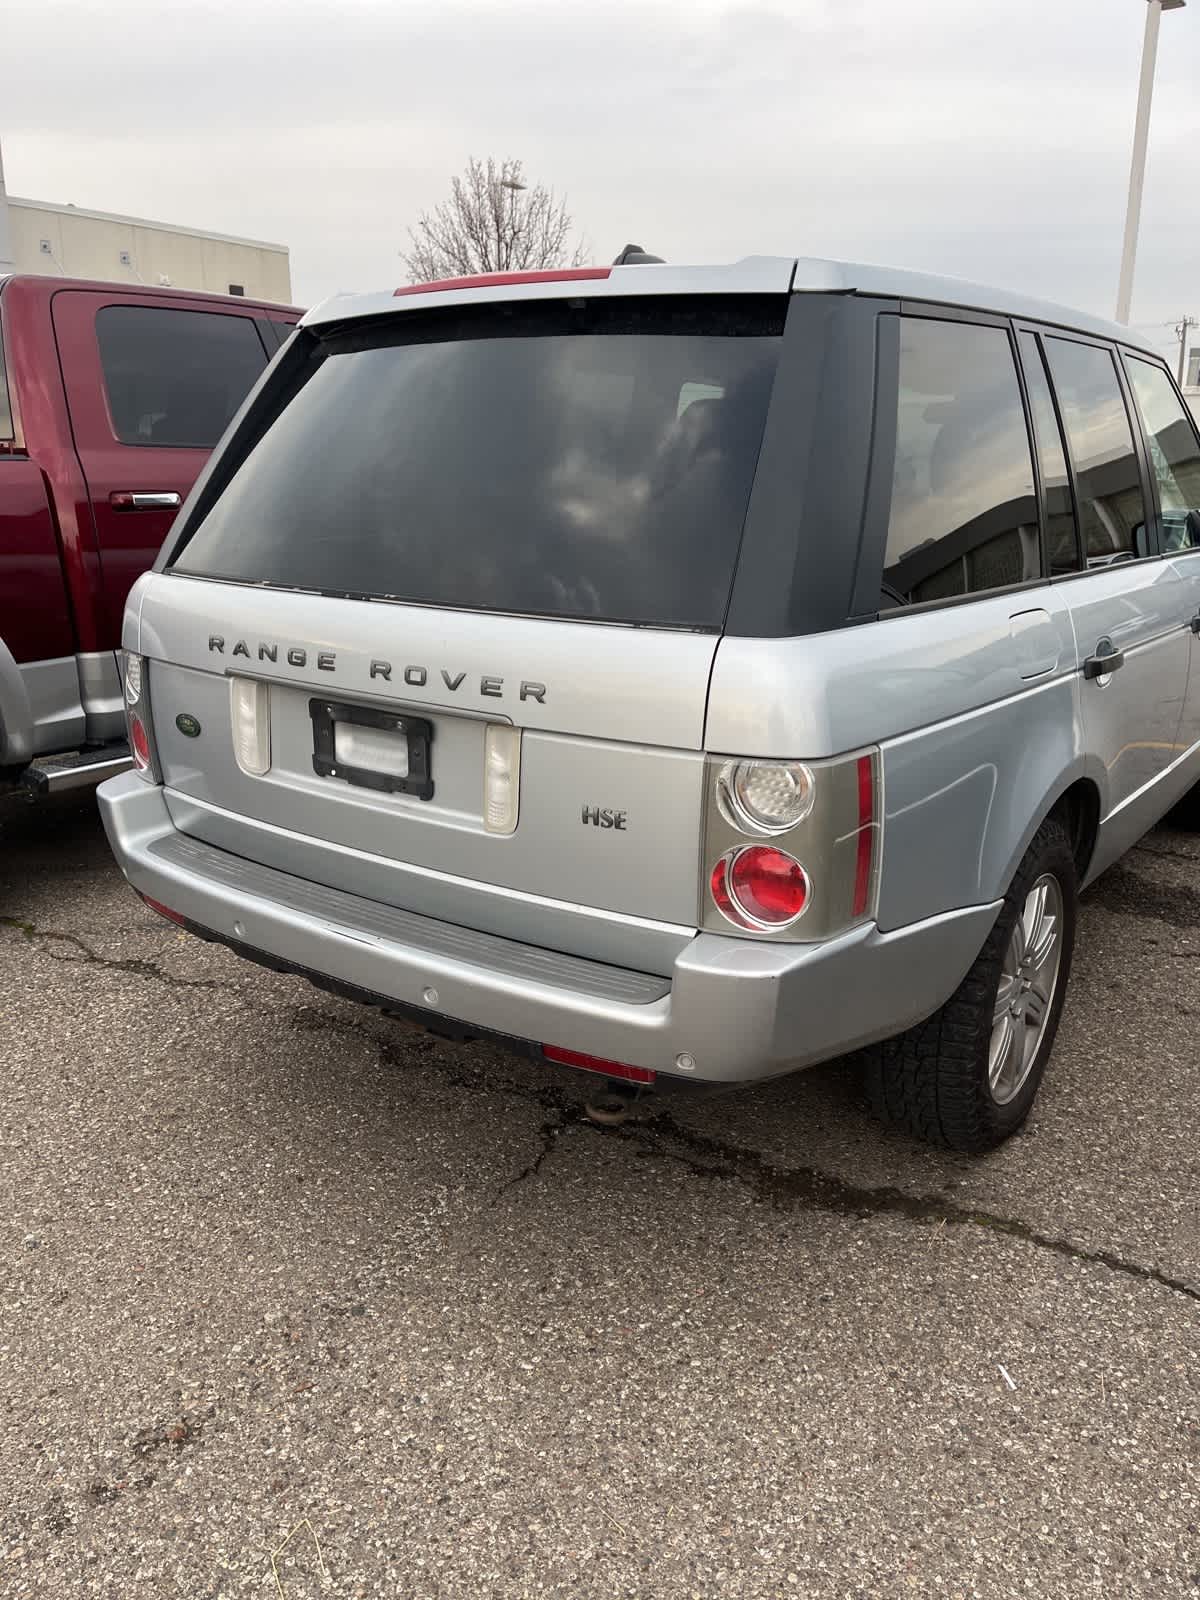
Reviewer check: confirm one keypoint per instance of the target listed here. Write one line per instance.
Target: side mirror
(1192, 526)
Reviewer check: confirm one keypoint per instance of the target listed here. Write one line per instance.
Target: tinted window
(963, 514)
(592, 460)
(1112, 517)
(1174, 453)
(1062, 545)
(175, 377)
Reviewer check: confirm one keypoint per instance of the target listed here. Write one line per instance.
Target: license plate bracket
(416, 731)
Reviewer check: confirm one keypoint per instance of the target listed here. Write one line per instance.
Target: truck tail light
(139, 725)
(791, 840)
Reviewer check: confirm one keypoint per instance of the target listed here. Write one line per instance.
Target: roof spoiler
(634, 256)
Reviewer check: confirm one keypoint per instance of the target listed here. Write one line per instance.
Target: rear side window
(1112, 515)
(1062, 544)
(582, 459)
(963, 511)
(1174, 453)
(175, 377)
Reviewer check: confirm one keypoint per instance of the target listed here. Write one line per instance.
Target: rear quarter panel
(974, 753)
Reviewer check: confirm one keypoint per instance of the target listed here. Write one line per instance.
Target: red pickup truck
(111, 398)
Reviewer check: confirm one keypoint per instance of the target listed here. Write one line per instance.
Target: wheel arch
(16, 718)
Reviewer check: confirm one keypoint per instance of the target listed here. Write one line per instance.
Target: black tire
(933, 1080)
(1185, 814)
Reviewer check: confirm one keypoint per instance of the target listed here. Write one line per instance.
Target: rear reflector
(607, 1069)
(163, 911)
(250, 715)
(866, 834)
(501, 777)
(485, 280)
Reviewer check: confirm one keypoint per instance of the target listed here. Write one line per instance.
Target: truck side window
(1112, 514)
(1174, 453)
(963, 511)
(175, 377)
(1062, 539)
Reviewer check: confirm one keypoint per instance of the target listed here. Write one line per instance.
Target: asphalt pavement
(298, 1302)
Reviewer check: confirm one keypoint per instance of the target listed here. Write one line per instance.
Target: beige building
(69, 242)
(66, 241)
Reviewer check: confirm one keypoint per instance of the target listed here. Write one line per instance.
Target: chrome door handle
(1107, 659)
(144, 500)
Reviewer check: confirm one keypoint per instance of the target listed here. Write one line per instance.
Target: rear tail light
(250, 715)
(139, 725)
(765, 796)
(867, 841)
(792, 840)
(139, 742)
(760, 887)
(608, 1069)
(501, 777)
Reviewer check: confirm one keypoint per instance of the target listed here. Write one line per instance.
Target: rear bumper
(741, 1011)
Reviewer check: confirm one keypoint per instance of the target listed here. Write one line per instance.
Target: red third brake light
(608, 1069)
(484, 280)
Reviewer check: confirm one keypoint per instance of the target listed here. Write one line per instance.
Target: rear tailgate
(610, 766)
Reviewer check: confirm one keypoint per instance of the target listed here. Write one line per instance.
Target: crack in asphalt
(659, 1133)
(548, 1135)
(135, 966)
(1133, 895)
(808, 1188)
(783, 1188)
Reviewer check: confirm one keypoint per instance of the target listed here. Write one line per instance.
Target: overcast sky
(984, 138)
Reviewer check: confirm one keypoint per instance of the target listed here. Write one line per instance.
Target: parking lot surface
(296, 1301)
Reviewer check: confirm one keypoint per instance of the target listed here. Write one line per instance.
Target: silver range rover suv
(689, 673)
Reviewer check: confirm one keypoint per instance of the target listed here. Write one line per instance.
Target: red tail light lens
(610, 1069)
(139, 743)
(866, 834)
(163, 911)
(758, 887)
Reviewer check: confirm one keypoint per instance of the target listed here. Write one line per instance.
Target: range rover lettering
(869, 604)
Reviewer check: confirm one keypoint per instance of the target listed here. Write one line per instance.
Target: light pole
(1137, 170)
(514, 187)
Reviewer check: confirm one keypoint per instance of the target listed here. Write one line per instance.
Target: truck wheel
(967, 1076)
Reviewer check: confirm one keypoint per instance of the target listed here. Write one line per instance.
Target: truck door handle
(144, 500)
(1107, 659)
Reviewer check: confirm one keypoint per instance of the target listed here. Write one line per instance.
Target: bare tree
(493, 222)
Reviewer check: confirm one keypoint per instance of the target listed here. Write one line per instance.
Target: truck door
(151, 383)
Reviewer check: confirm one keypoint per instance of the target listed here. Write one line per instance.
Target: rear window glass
(1112, 515)
(963, 513)
(591, 459)
(175, 377)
